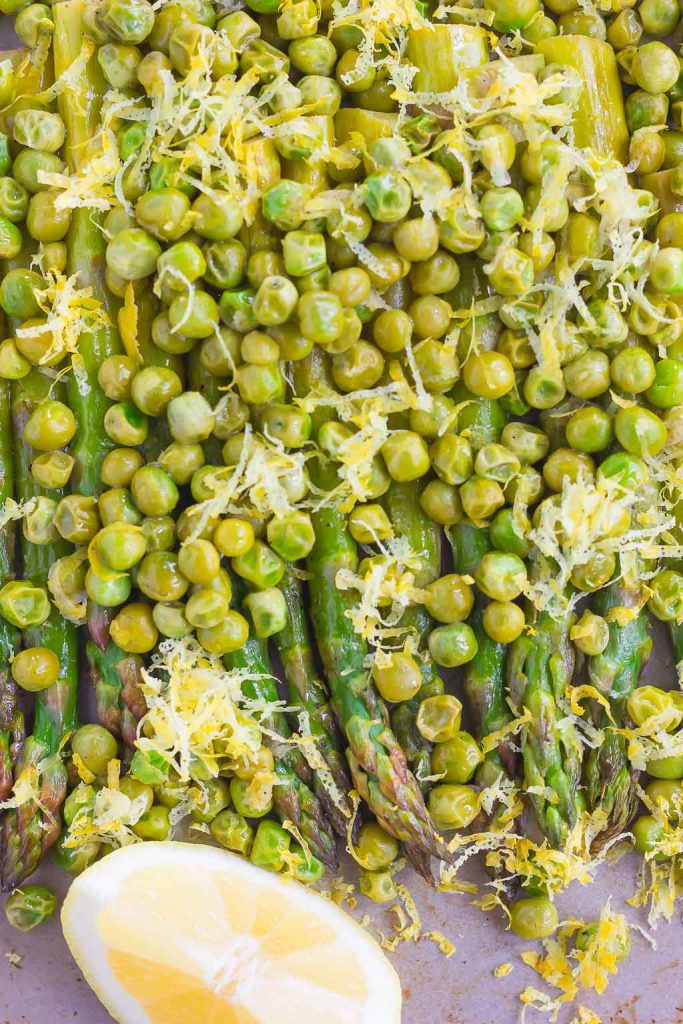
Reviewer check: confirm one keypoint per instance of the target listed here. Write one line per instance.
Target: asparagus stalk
(115, 675)
(307, 696)
(610, 783)
(30, 829)
(293, 798)
(410, 521)
(11, 720)
(378, 765)
(79, 106)
(600, 120)
(485, 678)
(540, 665)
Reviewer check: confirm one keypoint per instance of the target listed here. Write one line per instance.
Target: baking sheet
(40, 983)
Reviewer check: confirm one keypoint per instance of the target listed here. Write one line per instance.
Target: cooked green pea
(453, 806)
(260, 566)
(589, 429)
(121, 545)
(133, 254)
(38, 129)
(639, 431)
(153, 388)
(153, 491)
(533, 917)
(217, 215)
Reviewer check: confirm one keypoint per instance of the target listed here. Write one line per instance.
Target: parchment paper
(46, 987)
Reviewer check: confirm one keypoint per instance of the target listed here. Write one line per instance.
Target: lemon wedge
(172, 933)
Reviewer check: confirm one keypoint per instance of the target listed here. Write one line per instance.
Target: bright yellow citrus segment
(168, 933)
(173, 993)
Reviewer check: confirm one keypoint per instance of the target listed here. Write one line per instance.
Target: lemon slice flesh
(172, 933)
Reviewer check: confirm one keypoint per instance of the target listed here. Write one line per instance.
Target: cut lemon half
(171, 933)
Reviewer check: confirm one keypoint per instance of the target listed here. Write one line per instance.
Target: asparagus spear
(293, 798)
(378, 765)
(540, 665)
(33, 827)
(610, 782)
(307, 694)
(410, 521)
(115, 675)
(11, 720)
(79, 106)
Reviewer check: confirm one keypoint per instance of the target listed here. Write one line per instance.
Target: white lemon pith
(171, 933)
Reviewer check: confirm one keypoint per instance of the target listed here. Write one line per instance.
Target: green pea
(30, 906)
(260, 566)
(171, 621)
(154, 491)
(303, 252)
(225, 263)
(119, 64)
(129, 21)
(153, 388)
(10, 239)
(95, 746)
(275, 300)
(237, 310)
(133, 254)
(633, 370)
(159, 577)
(231, 831)
(154, 825)
(194, 313)
(121, 545)
(452, 645)
(506, 533)
(283, 204)
(110, 592)
(14, 200)
(125, 424)
(533, 917)
(589, 429)
(655, 67)
(647, 834)
(23, 604)
(45, 221)
(116, 506)
(39, 129)
(268, 611)
(247, 801)
(30, 164)
(260, 385)
(639, 431)
(453, 806)
(456, 759)
(666, 390)
(217, 215)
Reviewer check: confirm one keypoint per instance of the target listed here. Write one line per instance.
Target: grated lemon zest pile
(384, 594)
(69, 312)
(260, 485)
(109, 820)
(596, 515)
(196, 711)
(660, 882)
(570, 969)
